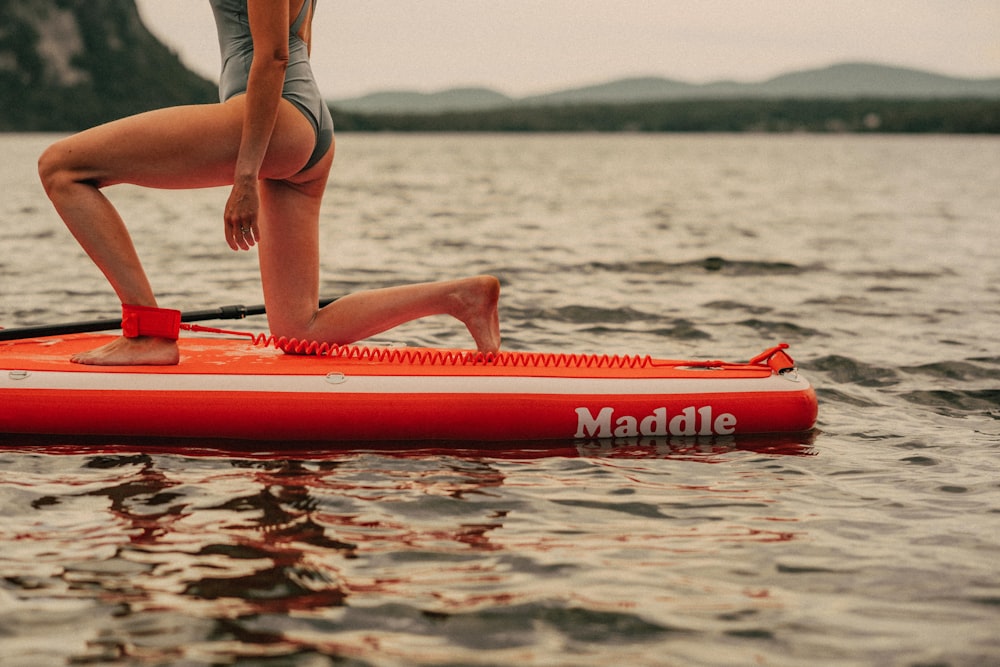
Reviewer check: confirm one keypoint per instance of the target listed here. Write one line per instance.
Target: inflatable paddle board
(233, 388)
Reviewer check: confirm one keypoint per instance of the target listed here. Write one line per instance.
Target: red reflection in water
(272, 532)
(695, 448)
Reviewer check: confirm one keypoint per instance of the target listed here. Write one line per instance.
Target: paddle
(235, 312)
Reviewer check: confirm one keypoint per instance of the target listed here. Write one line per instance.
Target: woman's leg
(188, 147)
(472, 300)
(181, 147)
(289, 263)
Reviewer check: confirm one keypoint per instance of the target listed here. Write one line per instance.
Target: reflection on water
(342, 546)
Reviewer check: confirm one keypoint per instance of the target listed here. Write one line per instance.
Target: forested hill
(70, 64)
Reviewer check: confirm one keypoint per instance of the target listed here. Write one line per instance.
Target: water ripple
(870, 541)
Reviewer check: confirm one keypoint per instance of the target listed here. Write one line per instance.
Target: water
(873, 541)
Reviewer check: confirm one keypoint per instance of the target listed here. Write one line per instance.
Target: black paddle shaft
(235, 312)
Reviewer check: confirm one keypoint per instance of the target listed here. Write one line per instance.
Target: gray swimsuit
(236, 44)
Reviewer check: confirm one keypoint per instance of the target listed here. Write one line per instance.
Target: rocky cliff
(70, 64)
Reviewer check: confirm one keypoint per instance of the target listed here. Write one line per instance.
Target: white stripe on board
(336, 383)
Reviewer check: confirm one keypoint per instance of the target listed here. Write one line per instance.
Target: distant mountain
(622, 91)
(842, 81)
(453, 99)
(70, 64)
(869, 80)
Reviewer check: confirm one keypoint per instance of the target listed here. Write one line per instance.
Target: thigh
(182, 147)
(289, 250)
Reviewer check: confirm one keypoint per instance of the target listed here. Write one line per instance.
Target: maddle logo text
(691, 420)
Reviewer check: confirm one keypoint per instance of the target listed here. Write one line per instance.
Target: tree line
(956, 116)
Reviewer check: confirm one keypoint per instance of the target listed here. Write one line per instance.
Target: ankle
(148, 321)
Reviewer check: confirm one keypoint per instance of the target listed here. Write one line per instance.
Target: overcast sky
(522, 47)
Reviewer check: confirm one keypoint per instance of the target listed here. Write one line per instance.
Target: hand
(241, 215)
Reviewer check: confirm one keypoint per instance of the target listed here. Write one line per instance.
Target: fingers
(240, 217)
(242, 235)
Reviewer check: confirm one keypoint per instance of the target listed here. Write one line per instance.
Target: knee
(51, 167)
(54, 169)
(306, 330)
(290, 328)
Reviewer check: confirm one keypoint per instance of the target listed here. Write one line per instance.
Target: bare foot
(477, 299)
(141, 351)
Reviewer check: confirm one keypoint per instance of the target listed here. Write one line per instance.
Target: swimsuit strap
(301, 18)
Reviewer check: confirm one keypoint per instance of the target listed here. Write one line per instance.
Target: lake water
(873, 541)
